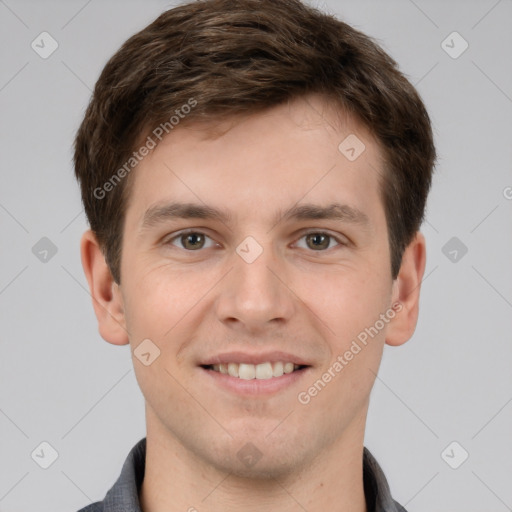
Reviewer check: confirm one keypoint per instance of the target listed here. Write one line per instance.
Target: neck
(176, 480)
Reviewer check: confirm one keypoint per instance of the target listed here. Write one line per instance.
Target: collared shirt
(124, 494)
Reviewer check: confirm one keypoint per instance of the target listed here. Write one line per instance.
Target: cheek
(153, 310)
(159, 298)
(344, 302)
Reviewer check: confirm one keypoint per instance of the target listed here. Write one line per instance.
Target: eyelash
(193, 231)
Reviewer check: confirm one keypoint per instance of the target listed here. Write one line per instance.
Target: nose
(255, 294)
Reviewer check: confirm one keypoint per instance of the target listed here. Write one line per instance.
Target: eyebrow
(161, 213)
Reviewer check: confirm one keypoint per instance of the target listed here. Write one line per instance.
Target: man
(255, 175)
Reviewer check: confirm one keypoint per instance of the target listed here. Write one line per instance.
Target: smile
(262, 371)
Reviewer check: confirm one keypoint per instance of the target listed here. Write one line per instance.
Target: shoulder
(376, 487)
(399, 507)
(93, 507)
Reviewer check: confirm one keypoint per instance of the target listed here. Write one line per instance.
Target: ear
(105, 292)
(406, 292)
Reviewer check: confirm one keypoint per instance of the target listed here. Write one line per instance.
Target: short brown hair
(239, 57)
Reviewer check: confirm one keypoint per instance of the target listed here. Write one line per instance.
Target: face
(271, 282)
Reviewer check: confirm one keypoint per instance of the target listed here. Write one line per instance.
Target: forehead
(302, 151)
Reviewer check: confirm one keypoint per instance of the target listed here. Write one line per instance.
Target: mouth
(262, 371)
(254, 374)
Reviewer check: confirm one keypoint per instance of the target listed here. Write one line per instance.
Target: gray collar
(124, 494)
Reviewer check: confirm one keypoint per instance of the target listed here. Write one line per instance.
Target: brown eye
(318, 240)
(192, 240)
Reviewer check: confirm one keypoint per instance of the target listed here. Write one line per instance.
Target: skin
(194, 303)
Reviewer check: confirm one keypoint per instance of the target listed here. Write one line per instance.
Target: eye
(195, 240)
(189, 240)
(319, 240)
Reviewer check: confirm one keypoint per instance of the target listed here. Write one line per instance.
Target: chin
(265, 468)
(259, 457)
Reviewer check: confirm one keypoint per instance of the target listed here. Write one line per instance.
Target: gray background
(61, 383)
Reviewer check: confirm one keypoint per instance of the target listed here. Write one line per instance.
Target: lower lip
(255, 386)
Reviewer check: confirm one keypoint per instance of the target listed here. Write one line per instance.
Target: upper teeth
(255, 371)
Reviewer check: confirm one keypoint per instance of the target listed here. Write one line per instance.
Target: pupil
(319, 238)
(193, 238)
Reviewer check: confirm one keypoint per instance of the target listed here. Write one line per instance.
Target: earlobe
(406, 292)
(106, 295)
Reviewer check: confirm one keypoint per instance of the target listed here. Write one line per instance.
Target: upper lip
(256, 358)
